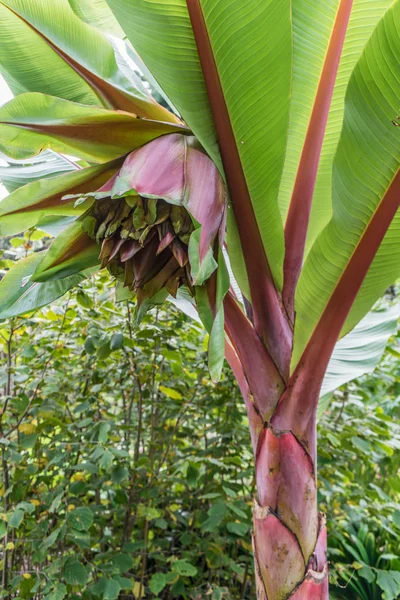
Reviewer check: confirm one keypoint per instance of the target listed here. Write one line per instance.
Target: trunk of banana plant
(289, 537)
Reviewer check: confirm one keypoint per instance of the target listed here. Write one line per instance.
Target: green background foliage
(126, 473)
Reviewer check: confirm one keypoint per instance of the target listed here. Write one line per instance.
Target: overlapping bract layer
(286, 484)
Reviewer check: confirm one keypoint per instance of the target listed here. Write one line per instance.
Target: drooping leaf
(185, 303)
(360, 351)
(18, 297)
(216, 344)
(201, 271)
(65, 57)
(364, 187)
(70, 253)
(30, 204)
(18, 173)
(33, 122)
(216, 354)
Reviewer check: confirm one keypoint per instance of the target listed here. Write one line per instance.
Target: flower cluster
(144, 216)
(144, 241)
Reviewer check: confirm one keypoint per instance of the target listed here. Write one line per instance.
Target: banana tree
(268, 194)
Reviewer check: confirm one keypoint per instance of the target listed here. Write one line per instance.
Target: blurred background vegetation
(125, 473)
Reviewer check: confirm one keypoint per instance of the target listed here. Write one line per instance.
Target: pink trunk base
(289, 541)
(279, 559)
(279, 565)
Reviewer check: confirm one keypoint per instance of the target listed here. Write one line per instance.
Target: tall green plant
(286, 157)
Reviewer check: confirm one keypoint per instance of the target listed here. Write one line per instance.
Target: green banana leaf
(46, 47)
(313, 24)
(20, 295)
(363, 19)
(360, 351)
(18, 173)
(54, 224)
(28, 205)
(172, 60)
(33, 122)
(71, 252)
(366, 162)
(98, 14)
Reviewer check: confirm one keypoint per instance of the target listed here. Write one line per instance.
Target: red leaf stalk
(300, 204)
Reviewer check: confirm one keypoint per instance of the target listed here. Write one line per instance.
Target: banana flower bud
(145, 215)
